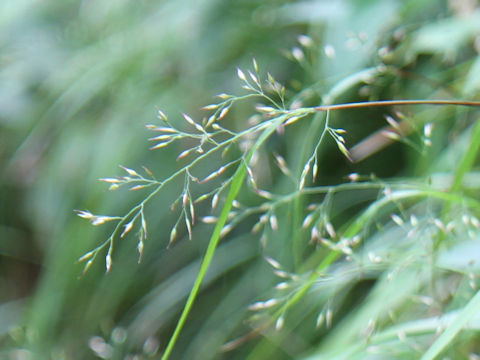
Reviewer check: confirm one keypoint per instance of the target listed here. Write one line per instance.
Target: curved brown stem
(365, 104)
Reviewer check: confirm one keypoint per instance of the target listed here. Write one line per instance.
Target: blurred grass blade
(469, 158)
(447, 337)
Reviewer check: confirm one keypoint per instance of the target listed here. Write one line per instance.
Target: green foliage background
(80, 79)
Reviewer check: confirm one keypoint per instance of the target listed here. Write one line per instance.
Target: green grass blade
(469, 158)
(234, 189)
(453, 329)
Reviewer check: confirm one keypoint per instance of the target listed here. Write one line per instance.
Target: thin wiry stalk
(366, 104)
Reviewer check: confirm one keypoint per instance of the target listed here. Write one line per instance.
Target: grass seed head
(397, 219)
(209, 219)
(305, 40)
(223, 113)
(162, 115)
(241, 75)
(273, 263)
(279, 323)
(108, 262)
(255, 65)
(127, 228)
(329, 51)
(298, 54)
(173, 235)
(130, 172)
(320, 320)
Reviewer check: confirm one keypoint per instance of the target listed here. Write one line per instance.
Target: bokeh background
(78, 82)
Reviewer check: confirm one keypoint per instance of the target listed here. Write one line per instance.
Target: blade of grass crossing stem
(298, 203)
(453, 329)
(233, 191)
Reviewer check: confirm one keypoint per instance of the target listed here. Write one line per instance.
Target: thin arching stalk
(367, 104)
